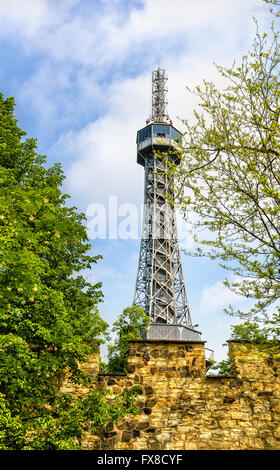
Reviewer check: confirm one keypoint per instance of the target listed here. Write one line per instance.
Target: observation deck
(157, 136)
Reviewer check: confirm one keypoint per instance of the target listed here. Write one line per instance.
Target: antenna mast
(159, 100)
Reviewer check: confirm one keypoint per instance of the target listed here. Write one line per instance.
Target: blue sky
(80, 72)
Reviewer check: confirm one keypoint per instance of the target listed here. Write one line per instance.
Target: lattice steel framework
(160, 288)
(159, 96)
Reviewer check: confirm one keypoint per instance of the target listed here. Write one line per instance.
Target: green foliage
(229, 176)
(265, 334)
(63, 428)
(273, 3)
(61, 425)
(49, 319)
(250, 331)
(222, 367)
(129, 325)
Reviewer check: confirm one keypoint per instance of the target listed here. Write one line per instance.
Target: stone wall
(182, 408)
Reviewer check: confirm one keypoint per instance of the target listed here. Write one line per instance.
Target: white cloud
(213, 322)
(83, 53)
(104, 152)
(97, 38)
(29, 15)
(217, 297)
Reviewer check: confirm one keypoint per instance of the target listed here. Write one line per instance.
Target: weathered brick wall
(181, 408)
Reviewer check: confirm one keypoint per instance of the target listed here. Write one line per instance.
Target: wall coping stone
(122, 374)
(168, 341)
(246, 341)
(221, 377)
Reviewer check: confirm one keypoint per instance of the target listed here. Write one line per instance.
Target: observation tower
(160, 288)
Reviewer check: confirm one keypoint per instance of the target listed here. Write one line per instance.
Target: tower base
(172, 332)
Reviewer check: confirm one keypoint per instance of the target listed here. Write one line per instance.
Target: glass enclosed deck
(156, 135)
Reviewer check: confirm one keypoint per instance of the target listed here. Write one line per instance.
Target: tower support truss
(160, 288)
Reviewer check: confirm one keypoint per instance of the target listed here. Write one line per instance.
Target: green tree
(229, 177)
(131, 324)
(49, 320)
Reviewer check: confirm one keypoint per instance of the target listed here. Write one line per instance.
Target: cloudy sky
(80, 72)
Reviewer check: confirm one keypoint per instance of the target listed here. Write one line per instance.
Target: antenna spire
(159, 100)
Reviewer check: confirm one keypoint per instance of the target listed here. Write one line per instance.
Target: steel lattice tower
(160, 288)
